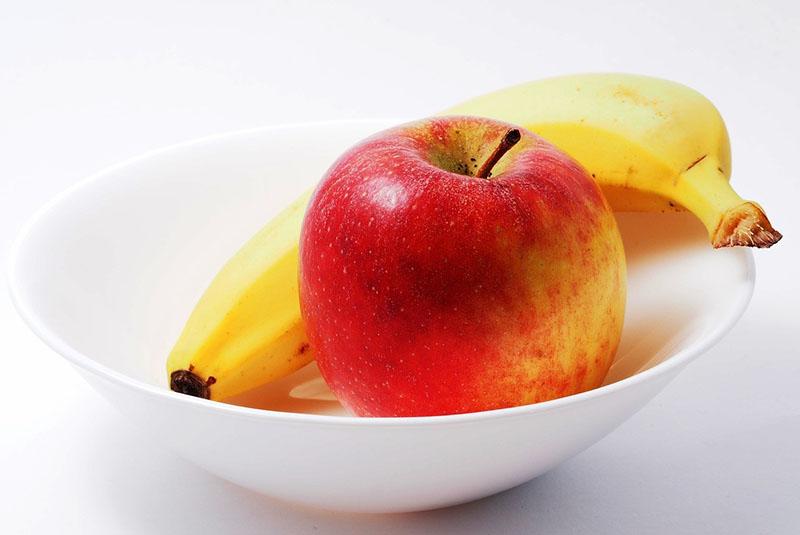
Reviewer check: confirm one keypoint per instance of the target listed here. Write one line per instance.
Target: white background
(84, 84)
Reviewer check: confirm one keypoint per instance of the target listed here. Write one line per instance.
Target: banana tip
(187, 382)
(745, 225)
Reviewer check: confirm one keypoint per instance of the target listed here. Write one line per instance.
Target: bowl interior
(112, 268)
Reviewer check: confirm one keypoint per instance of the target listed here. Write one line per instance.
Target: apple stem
(510, 139)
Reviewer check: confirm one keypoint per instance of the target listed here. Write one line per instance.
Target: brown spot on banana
(697, 161)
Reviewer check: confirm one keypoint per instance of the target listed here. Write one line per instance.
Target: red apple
(439, 275)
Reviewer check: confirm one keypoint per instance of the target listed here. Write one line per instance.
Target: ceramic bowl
(107, 273)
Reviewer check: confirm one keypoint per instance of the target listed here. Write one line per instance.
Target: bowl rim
(86, 363)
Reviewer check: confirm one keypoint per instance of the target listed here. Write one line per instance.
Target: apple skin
(426, 291)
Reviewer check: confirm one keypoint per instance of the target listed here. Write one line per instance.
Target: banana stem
(730, 220)
(746, 225)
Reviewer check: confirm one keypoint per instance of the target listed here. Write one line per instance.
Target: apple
(459, 264)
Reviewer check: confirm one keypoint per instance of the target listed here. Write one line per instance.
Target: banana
(246, 330)
(651, 144)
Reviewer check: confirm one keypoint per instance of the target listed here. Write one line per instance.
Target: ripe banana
(246, 330)
(651, 144)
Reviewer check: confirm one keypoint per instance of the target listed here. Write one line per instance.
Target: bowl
(107, 273)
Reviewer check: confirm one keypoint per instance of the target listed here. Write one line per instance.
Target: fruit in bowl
(456, 265)
(650, 144)
(683, 297)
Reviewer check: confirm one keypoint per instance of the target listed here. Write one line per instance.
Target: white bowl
(107, 273)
